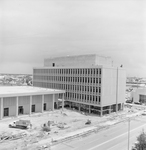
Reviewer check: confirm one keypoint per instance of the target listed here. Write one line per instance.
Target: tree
(141, 141)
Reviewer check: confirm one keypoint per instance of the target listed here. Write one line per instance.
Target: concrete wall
(113, 88)
(25, 102)
(78, 61)
(137, 92)
(48, 99)
(10, 102)
(101, 60)
(108, 86)
(121, 85)
(37, 100)
(82, 60)
(1, 109)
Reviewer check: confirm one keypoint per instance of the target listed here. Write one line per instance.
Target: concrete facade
(91, 88)
(80, 61)
(26, 100)
(139, 95)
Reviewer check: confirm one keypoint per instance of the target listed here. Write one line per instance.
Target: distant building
(139, 95)
(91, 82)
(19, 100)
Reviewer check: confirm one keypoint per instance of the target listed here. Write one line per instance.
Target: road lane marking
(115, 138)
(104, 135)
(68, 145)
(120, 143)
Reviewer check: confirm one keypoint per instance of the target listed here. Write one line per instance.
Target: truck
(23, 124)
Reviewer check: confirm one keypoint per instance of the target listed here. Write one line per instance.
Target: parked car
(129, 101)
(138, 103)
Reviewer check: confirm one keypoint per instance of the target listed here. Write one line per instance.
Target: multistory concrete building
(91, 82)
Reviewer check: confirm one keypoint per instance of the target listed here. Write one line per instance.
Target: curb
(96, 129)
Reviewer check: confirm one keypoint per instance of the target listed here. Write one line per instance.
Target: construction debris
(88, 121)
(59, 125)
(7, 137)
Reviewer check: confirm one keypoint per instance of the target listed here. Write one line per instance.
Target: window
(99, 71)
(91, 71)
(91, 89)
(96, 89)
(93, 80)
(99, 90)
(96, 80)
(82, 97)
(90, 98)
(88, 71)
(99, 80)
(96, 71)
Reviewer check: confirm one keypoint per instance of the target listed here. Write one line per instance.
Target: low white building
(19, 100)
(139, 95)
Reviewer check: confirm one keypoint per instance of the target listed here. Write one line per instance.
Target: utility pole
(117, 91)
(128, 132)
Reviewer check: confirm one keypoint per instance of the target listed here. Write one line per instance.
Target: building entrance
(33, 108)
(20, 110)
(6, 112)
(45, 106)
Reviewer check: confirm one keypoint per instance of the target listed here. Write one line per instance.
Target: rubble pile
(7, 137)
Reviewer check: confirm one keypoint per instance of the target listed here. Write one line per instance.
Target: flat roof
(8, 91)
(80, 67)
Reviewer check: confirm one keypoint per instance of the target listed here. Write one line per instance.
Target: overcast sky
(31, 30)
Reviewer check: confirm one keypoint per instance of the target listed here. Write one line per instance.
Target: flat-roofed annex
(8, 91)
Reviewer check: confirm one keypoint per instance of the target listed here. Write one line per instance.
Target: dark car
(138, 103)
(129, 101)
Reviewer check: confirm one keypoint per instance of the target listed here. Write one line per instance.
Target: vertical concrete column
(62, 101)
(57, 101)
(117, 90)
(116, 107)
(42, 104)
(79, 107)
(89, 109)
(122, 106)
(110, 109)
(17, 106)
(53, 100)
(70, 105)
(30, 105)
(101, 111)
(1, 108)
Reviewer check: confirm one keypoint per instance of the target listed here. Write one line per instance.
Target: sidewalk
(74, 134)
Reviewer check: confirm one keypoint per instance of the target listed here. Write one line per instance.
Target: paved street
(113, 138)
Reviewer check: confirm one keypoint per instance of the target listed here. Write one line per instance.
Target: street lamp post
(128, 132)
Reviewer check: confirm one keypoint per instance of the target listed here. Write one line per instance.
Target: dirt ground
(72, 121)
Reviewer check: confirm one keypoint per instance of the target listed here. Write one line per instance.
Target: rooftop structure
(79, 60)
